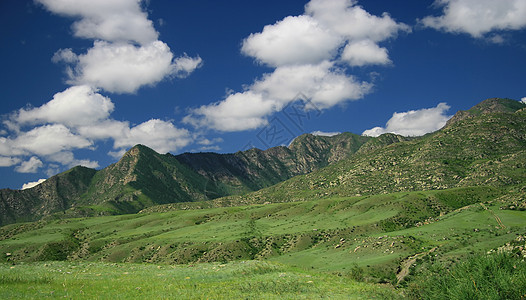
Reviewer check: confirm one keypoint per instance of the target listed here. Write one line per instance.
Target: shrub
(496, 276)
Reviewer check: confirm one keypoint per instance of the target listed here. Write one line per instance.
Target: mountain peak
(491, 105)
(138, 150)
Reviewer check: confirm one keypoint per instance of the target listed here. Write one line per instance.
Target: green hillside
(367, 238)
(484, 149)
(145, 178)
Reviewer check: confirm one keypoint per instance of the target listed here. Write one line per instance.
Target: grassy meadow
(236, 280)
(339, 248)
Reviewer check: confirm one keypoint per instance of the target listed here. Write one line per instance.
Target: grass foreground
(235, 280)
(400, 245)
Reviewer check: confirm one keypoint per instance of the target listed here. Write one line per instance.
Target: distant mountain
(254, 169)
(485, 145)
(56, 194)
(144, 178)
(489, 106)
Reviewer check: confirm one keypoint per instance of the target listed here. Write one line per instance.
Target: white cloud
(478, 17)
(208, 142)
(239, 111)
(52, 169)
(116, 20)
(414, 122)
(123, 68)
(49, 139)
(66, 158)
(365, 52)
(496, 39)
(104, 129)
(117, 154)
(209, 148)
(185, 65)
(324, 133)
(65, 55)
(32, 184)
(523, 100)
(293, 40)
(353, 22)
(8, 161)
(324, 85)
(30, 166)
(306, 52)
(162, 136)
(126, 54)
(7, 148)
(77, 105)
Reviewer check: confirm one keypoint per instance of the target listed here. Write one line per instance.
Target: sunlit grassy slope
(239, 280)
(372, 234)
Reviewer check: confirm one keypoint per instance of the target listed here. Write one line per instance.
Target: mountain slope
(487, 148)
(144, 178)
(254, 169)
(56, 194)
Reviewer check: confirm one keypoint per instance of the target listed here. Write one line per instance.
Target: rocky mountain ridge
(144, 178)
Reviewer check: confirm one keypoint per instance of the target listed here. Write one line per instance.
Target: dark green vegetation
(337, 241)
(497, 276)
(402, 212)
(144, 178)
(487, 149)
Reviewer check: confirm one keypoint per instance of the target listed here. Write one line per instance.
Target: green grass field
(237, 280)
(329, 248)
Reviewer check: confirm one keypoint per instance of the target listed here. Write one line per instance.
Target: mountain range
(485, 145)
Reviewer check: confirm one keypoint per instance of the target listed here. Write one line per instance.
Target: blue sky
(85, 80)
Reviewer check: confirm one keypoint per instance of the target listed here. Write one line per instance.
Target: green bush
(496, 276)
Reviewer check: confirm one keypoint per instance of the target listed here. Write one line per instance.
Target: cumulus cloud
(49, 139)
(124, 68)
(185, 65)
(239, 111)
(68, 159)
(32, 184)
(307, 56)
(8, 161)
(365, 52)
(351, 21)
(247, 110)
(104, 129)
(76, 119)
(414, 122)
(126, 55)
(162, 136)
(208, 142)
(30, 166)
(478, 17)
(325, 85)
(324, 133)
(65, 55)
(77, 105)
(117, 20)
(293, 40)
